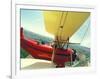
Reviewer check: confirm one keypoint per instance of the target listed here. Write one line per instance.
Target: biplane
(61, 24)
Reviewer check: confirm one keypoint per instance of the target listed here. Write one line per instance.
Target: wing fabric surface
(69, 20)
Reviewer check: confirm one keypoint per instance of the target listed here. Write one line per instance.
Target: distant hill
(37, 37)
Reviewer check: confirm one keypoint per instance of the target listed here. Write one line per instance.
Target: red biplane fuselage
(41, 51)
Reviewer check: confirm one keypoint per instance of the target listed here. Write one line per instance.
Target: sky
(33, 20)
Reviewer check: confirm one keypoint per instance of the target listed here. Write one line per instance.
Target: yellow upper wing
(70, 21)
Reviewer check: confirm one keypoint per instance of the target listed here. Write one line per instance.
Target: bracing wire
(60, 23)
(85, 33)
(60, 29)
(63, 23)
(57, 34)
(65, 20)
